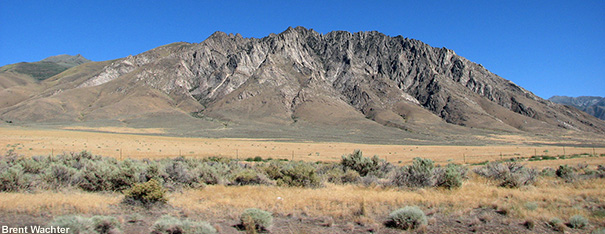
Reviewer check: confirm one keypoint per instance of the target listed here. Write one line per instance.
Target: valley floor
(478, 206)
(124, 143)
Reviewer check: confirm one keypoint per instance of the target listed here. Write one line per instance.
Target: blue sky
(548, 47)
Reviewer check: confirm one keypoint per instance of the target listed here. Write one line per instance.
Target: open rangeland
(544, 202)
(124, 143)
(478, 206)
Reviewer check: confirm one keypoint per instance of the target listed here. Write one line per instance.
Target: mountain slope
(302, 79)
(21, 81)
(594, 106)
(45, 68)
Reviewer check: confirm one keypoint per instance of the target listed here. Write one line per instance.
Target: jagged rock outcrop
(592, 105)
(333, 78)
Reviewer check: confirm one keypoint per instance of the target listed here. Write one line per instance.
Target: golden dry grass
(29, 142)
(58, 202)
(553, 198)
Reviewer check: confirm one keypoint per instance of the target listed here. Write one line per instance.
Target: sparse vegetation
(556, 224)
(566, 172)
(419, 174)
(450, 177)
(82, 225)
(578, 222)
(148, 193)
(409, 217)
(169, 225)
(299, 174)
(423, 173)
(364, 165)
(105, 224)
(347, 200)
(76, 224)
(509, 174)
(253, 220)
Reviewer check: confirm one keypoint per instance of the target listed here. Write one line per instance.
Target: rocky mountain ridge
(592, 105)
(303, 77)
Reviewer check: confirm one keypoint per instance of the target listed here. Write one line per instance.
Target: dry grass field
(124, 143)
(341, 207)
(479, 205)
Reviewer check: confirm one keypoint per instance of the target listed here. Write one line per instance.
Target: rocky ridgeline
(594, 106)
(336, 77)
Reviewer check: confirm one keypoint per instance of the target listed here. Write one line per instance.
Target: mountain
(365, 85)
(45, 68)
(21, 80)
(594, 106)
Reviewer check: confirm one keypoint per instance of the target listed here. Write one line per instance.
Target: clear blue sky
(548, 47)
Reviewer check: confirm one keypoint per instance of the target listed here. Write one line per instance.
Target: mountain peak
(363, 80)
(68, 60)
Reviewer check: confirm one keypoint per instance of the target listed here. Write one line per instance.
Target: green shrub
(148, 193)
(362, 165)
(299, 174)
(75, 223)
(509, 174)
(13, 179)
(152, 171)
(34, 165)
(126, 175)
(419, 174)
(272, 169)
(547, 171)
(178, 172)
(578, 222)
(171, 225)
(556, 224)
(250, 177)
(529, 224)
(213, 172)
(350, 176)
(531, 205)
(409, 217)
(58, 176)
(105, 224)
(598, 230)
(255, 219)
(449, 177)
(95, 176)
(337, 175)
(566, 172)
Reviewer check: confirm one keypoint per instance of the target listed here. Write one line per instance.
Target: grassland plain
(133, 143)
(480, 205)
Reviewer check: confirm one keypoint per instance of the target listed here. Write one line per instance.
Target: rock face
(594, 106)
(300, 75)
